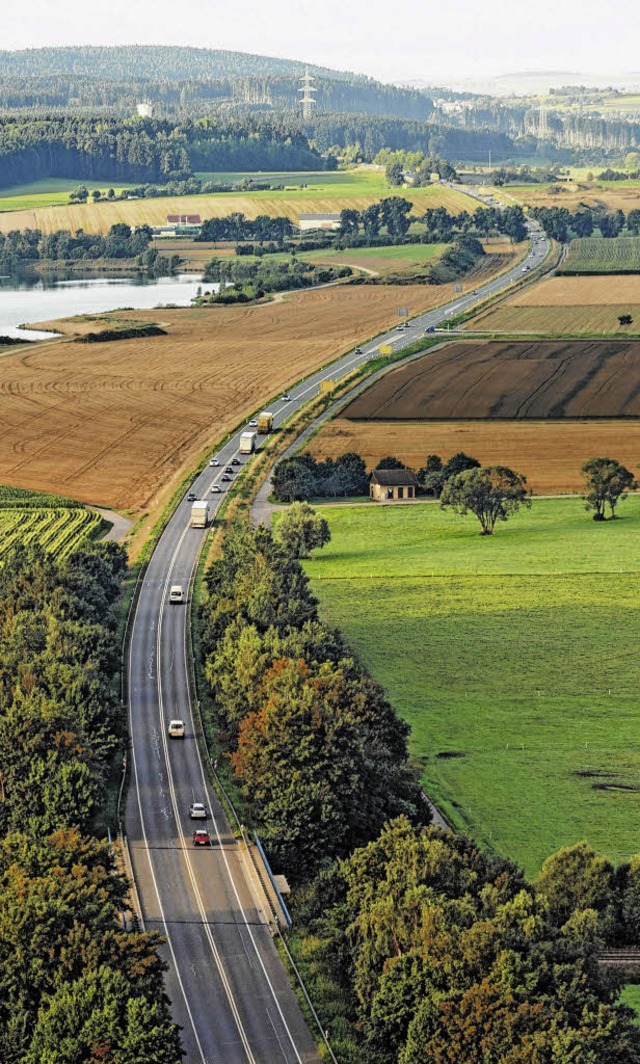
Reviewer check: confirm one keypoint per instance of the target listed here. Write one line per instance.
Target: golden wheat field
(572, 195)
(549, 453)
(99, 217)
(570, 305)
(118, 423)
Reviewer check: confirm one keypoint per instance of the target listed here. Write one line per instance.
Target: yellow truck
(265, 421)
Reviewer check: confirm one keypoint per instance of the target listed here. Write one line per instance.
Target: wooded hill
(187, 81)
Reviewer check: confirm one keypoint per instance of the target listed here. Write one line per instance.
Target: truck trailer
(248, 442)
(265, 421)
(200, 514)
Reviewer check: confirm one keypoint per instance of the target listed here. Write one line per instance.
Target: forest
(147, 150)
(70, 974)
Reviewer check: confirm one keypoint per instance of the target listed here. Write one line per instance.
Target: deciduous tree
(492, 494)
(606, 483)
(302, 530)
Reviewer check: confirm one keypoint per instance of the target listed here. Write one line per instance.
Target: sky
(394, 41)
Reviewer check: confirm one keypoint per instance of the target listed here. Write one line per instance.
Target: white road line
(174, 802)
(222, 849)
(150, 862)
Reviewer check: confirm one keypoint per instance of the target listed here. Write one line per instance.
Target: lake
(28, 300)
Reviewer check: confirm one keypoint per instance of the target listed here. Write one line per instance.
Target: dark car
(225, 476)
(236, 461)
(191, 497)
(358, 351)
(229, 469)
(201, 837)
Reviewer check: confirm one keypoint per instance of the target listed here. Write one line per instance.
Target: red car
(201, 837)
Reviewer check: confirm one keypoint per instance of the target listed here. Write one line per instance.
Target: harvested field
(99, 217)
(517, 379)
(549, 453)
(567, 305)
(580, 291)
(116, 423)
(573, 194)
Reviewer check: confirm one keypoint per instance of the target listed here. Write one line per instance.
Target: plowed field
(549, 453)
(114, 423)
(486, 379)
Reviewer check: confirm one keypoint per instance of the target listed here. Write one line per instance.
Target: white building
(319, 221)
(145, 110)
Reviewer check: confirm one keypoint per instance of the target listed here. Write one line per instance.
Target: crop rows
(59, 530)
(600, 255)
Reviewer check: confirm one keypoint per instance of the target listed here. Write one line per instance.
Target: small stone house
(392, 484)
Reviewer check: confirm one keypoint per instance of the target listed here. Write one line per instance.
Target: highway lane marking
(174, 802)
(222, 849)
(150, 862)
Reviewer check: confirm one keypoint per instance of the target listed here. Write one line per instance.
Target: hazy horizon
(451, 44)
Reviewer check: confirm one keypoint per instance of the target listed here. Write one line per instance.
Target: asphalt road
(228, 988)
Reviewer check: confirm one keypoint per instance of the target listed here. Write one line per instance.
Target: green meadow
(513, 657)
(50, 192)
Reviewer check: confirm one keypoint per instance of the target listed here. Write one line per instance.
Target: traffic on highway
(229, 990)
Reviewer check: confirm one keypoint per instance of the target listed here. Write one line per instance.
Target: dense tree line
(241, 281)
(29, 246)
(441, 953)
(147, 150)
(562, 224)
(319, 754)
(72, 980)
(369, 134)
(302, 477)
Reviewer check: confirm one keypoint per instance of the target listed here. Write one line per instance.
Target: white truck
(200, 514)
(248, 442)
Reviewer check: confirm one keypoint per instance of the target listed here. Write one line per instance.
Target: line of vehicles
(197, 810)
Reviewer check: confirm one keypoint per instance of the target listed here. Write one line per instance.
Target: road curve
(227, 986)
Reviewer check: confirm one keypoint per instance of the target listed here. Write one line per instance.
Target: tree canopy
(492, 494)
(606, 483)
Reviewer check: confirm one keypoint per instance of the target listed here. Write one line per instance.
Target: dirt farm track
(114, 423)
(512, 380)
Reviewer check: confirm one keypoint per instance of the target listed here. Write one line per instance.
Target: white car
(176, 729)
(176, 594)
(198, 811)
(253, 424)
(286, 398)
(214, 462)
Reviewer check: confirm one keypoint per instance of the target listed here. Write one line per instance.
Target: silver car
(198, 811)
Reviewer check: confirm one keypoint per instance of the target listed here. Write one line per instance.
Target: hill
(156, 62)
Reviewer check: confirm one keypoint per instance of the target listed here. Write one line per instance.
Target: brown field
(549, 453)
(99, 217)
(571, 195)
(118, 424)
(510, 379)
(567, 305)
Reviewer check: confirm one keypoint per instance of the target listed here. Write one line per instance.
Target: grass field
(600, 255)
(52, 191)
(549, 453)
(325, 193)
(585, 304)
(56, 524)
(514, 659)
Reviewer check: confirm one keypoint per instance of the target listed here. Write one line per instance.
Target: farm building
(387, 484)
(179, 225)
(319, 221)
